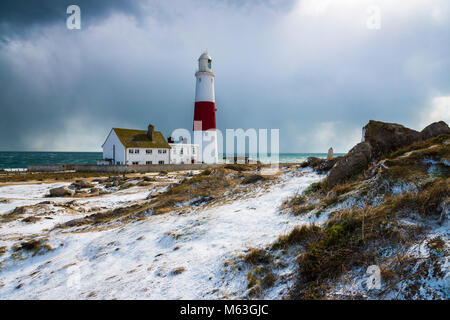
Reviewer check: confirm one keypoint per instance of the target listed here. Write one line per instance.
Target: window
(193, 150)
(182, 151)
(148, 151)
(130, 151)
(135, 162)
(209, 63)
(164, 151)
(136, 151)
(159, 151)
(148, 162)
(161, 162)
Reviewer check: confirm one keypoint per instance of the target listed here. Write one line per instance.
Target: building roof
(131, 138)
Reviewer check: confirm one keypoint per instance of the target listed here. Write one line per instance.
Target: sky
(317, 70)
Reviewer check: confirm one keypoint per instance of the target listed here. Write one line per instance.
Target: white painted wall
(190, 152)
(204, 87)
(142, 156)
(112, 142)
(207, 141)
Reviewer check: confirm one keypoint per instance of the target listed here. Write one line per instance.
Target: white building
(183, 152)
(129, 146)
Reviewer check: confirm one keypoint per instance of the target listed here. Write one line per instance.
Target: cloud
(438, 110)
(317, 77)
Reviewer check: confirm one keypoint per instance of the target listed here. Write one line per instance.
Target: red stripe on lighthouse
(205, 111)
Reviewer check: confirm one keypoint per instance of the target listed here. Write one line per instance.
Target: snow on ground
(13, 196)
(168, 256)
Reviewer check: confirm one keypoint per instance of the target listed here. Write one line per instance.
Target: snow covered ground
(169, 256)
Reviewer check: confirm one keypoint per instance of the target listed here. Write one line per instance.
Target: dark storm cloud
(17, 16)
(318, 75)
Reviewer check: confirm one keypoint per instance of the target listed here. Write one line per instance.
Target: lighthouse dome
(205, 55)
(204, 62)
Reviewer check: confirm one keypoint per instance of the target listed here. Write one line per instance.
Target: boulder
(321, 165)
(386, 137)
(81, 184)
(60, 192)
(435, 129)
(356, 161)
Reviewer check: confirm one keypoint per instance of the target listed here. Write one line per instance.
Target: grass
(315, 188)
(352, 237)
(178, 271)
(296, 236)
(35, 247)
(257, 256)
(419, 145)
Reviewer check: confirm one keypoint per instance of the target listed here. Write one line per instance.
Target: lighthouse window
(209, 63)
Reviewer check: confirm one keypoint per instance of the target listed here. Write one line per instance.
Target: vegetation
(35, 247)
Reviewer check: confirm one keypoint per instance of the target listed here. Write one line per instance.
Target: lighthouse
(205, 133)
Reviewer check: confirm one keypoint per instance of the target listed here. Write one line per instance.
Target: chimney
(150, 130)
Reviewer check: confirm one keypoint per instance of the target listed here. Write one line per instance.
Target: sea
(20, 160)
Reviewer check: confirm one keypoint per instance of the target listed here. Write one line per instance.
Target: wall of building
(111, 143)
(120, 168)
(142, 157)
(190, 153)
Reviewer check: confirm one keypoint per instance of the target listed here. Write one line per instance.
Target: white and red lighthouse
(205, 133)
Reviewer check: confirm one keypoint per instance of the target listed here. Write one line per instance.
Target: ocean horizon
(20, 159)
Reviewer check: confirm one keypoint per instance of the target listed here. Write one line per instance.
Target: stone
(435, 129)
(330, 154)
(81, 184)
(386, 137)
(61, 192)
(356, 161)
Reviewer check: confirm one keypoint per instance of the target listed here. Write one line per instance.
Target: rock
(330, 154)
(60, 192)
(252, 179)
(387, 137)
(321, 165)
(435, 129)
(81, 184)
(126, 185)
(356, 161)
(314, 161)
(94, 190)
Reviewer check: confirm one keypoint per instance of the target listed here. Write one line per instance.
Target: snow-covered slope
(169, 256)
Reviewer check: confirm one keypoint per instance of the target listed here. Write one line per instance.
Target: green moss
(314, 187)
(297, 235)
(257, 256)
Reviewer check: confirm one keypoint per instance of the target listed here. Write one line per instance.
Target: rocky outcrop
(379, 139)
(60, 192)
(387, 137)
(354, 162)
(435, 129)
(320, 165)
(81, 184)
